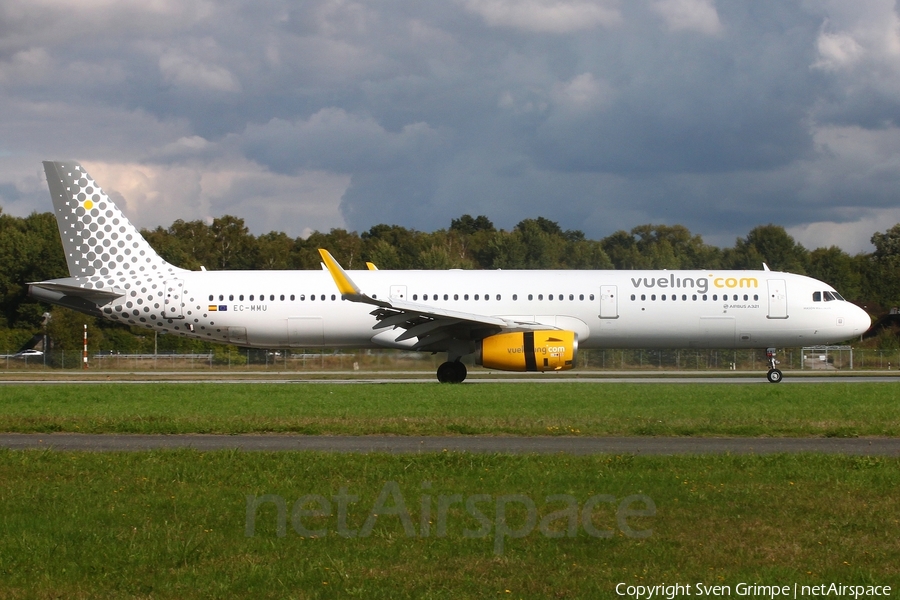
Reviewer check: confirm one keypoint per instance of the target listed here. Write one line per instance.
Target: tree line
(30, 250)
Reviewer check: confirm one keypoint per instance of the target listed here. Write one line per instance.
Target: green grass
(172, 525)
(798, 409)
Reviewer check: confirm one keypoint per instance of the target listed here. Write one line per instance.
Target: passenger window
(550, 297)
(302, 297)
(446, 297)
(292, 298)
(334, 297)
(515, 297)
(746, 297)
(694, 297)
(530, 297)
(715, 297)
(456, 296)
(230, 297)
(241, 297)
(653, 296)
(221, 297)
(476, 296)
(684, 296)
(756, 296)
(211, 297)
(498, 297)
(540, 296)
(282, 296)
(312, 297)
(465, 296)
(591, 297)
(581, 296)
(663, 297)
(704, 297)
(643, 296)
(415, 296)
(487, 297)
(632, 297)
(251, 297)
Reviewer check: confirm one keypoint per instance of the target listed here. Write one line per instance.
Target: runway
(477, 444)
(177, 377)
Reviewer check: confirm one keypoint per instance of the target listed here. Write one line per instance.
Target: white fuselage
(607, 309)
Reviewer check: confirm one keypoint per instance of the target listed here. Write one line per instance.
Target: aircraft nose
(860, 321)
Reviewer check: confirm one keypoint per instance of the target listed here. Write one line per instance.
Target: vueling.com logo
(701, 284)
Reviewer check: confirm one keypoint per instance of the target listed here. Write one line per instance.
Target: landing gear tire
(774, 375)
(452, 372)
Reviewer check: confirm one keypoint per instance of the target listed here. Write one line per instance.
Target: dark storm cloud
(600, 114)
(709, 103)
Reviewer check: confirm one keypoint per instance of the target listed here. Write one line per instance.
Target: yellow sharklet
(345, 285)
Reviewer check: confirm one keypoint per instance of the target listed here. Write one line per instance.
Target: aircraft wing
(431, 325)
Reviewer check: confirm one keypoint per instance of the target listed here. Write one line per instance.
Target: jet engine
(529, 351)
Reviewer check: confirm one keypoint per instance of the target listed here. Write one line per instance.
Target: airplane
(23, 354)
(515, 320)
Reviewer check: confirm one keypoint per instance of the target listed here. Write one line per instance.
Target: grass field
(799, 409)
(174, 524)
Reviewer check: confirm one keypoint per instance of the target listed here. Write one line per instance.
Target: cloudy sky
(598, 114)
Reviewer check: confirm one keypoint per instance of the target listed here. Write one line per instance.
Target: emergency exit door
(609, 302)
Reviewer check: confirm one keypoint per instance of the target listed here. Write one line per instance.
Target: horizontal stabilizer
(70, 287)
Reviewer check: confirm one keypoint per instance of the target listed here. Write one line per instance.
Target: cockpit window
(827, 296)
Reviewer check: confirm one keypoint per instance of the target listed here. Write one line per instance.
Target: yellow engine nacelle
(530, 351)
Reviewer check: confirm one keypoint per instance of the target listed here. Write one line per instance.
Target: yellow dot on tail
(88, 205)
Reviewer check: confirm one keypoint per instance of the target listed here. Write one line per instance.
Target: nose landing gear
(774, 375)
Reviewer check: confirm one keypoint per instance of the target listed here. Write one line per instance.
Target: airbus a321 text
(508, 320)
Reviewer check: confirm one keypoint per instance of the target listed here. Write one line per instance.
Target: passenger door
(173, 304)
(777, 299)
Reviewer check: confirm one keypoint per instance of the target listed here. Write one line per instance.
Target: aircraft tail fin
(99, 241)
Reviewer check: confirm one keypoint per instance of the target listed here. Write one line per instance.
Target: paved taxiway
(489, 444)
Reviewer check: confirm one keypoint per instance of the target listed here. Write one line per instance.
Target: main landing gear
(451, 372)
(774, 375)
